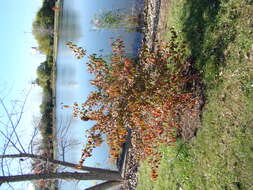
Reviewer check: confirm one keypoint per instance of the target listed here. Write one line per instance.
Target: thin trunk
(105, 185)
(58, 162)
(61, 175)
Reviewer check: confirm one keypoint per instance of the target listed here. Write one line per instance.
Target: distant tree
(44, 37)
(43, 73)
(43, 30)
(43, 27)
(45, 15)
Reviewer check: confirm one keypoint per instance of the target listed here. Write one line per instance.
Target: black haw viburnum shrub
(142, 95)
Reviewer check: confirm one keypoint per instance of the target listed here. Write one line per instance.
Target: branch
(61, 175)
(58, 162)
(30, 146)
(14, 126)
(10, 141)
(105, 185)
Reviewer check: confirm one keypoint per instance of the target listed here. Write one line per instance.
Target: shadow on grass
(208, 34)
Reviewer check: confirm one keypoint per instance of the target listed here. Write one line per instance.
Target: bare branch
(14, 126)
(105, 185)
(31, 143)
(57, 162)
(10, 141)
(10, 186)
(62, 175)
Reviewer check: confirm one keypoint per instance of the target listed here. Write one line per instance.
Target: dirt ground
(189, 119)
(162, 21)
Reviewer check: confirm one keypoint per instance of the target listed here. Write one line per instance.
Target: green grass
(219, 37)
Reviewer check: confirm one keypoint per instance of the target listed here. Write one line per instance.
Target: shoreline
(58, 14)
(155, 18)
(155, 15)
(151, 16)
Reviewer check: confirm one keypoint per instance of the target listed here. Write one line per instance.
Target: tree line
(43, 31)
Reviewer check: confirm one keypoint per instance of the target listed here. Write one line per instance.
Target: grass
(220, 157)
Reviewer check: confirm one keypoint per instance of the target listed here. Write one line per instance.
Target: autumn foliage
(94, 140)
(143, 95)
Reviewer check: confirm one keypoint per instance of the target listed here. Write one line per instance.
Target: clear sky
(18, 64)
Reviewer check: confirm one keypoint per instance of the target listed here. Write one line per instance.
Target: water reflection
(129, 19)
(72, 76)
(70, 27)
(68, 73)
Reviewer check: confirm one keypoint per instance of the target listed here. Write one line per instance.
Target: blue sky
(18, 63)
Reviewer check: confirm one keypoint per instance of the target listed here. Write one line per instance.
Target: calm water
(72, 76)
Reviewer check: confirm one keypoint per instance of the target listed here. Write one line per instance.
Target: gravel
(151, 19)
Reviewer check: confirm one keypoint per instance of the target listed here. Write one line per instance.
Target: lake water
(72, 83)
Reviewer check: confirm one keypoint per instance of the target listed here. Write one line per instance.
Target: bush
(144, 96)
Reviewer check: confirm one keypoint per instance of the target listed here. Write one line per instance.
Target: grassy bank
(219, 40)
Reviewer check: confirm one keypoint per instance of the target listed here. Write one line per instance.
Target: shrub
(143, 96)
